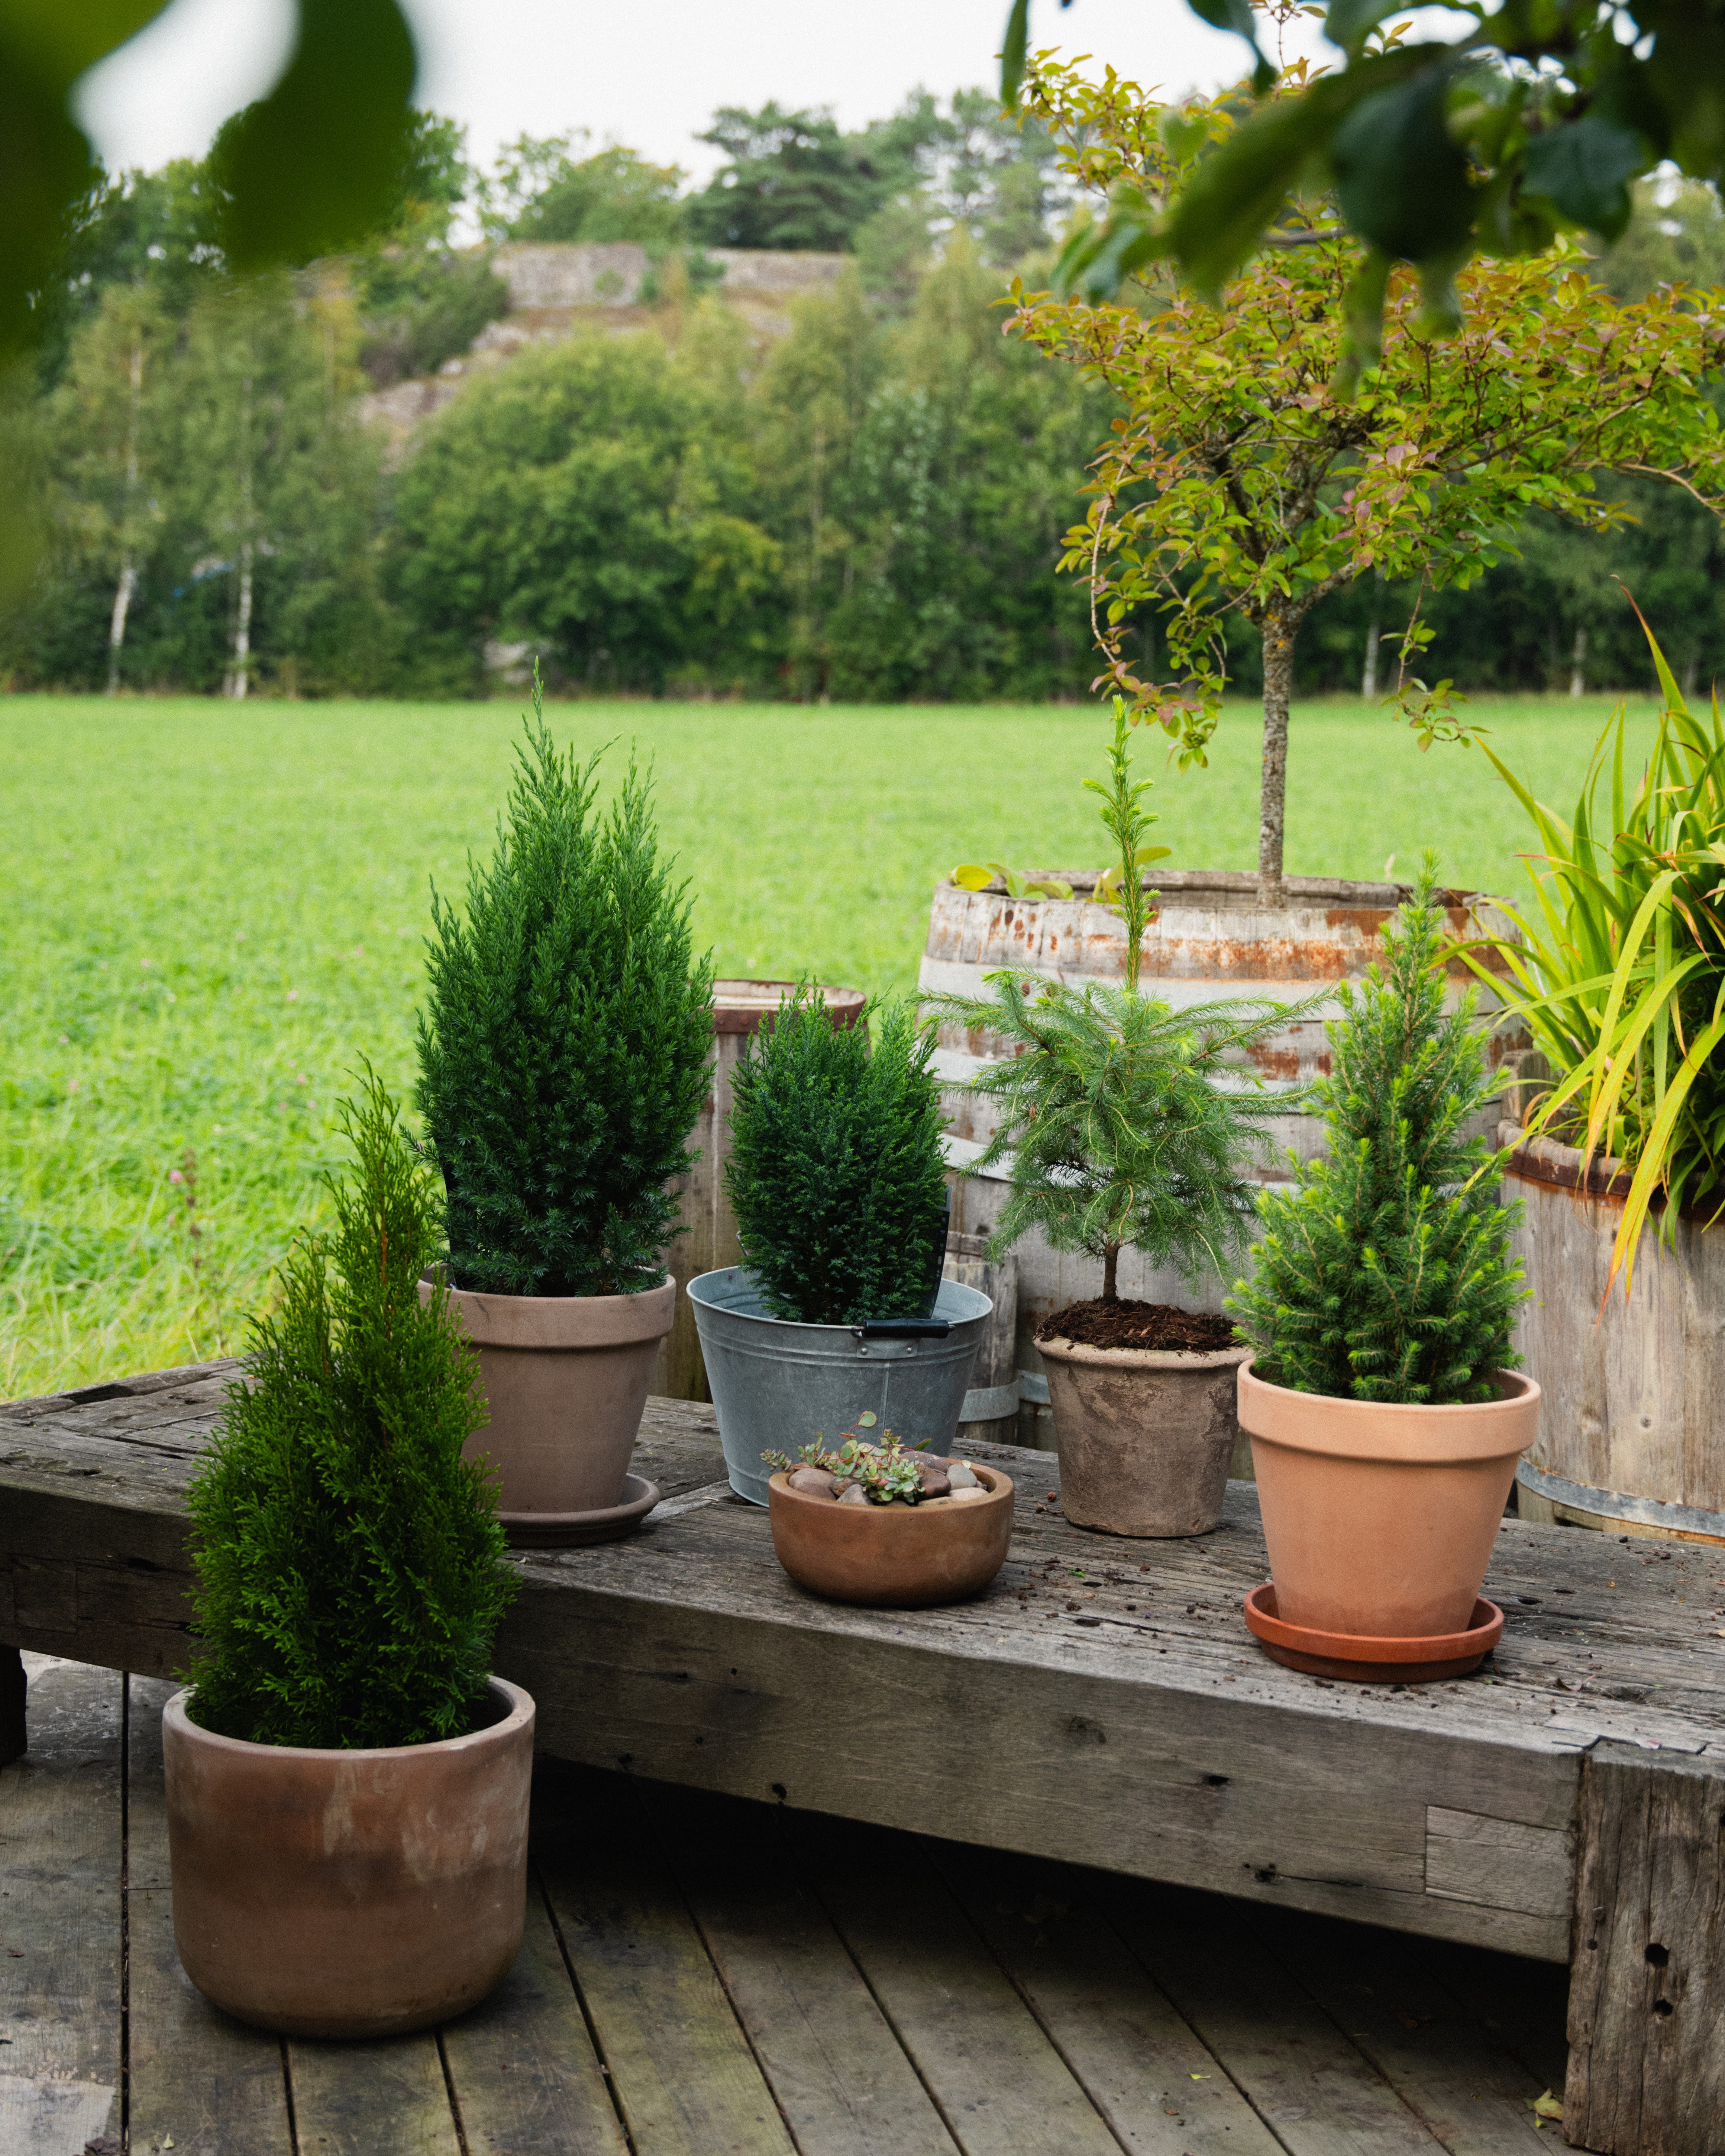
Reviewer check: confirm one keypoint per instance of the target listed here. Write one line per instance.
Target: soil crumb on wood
(1127, 1324)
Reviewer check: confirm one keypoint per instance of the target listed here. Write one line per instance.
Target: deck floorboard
(725, 1979)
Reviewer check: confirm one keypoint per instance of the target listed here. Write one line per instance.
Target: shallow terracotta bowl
(893, 1556)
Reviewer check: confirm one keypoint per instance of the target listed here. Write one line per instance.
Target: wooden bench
(1102, 1703)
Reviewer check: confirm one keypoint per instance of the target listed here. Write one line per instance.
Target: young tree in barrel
(1267, 454)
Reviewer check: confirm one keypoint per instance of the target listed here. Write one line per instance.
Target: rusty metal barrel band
(1613, 1505)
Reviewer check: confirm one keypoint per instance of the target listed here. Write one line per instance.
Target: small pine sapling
(1386, 1274)
(836, 1174)
(351, 1568)
(565, 1044)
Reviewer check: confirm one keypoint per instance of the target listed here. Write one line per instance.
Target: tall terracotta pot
(1380, 1519)
(350, 1893)
(566, 1383)
(1144, 1436)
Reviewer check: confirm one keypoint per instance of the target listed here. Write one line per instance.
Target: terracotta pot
(1144, 1436)
(356, 1893)
(1380, 1520)
(893, 1556)
(566, 1381)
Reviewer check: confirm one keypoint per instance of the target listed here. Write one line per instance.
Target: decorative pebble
(813, 1481)
(853, 1494)
(961, 1477)
(968, 1496)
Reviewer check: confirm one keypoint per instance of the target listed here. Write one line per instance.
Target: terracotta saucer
(568, 1530)
(1360, 1660)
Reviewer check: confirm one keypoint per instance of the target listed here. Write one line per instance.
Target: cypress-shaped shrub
(564, 1046)
(351, 1565)
(1386, 1275)
(836, 1173)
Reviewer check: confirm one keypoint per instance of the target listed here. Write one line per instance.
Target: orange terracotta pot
(893, 1556)
(1380, 1520)
(356, 1893)
(565, 1383)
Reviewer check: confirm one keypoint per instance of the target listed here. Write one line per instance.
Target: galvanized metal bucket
(775, 1384)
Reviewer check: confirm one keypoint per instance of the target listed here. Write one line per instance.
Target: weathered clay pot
(1380, 1519)
(357, 1893)
(893, 1556)
(1144, 1436)
(566, 1381)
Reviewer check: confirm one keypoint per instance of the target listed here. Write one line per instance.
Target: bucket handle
(903, 1328)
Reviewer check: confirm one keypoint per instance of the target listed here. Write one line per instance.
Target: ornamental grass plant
(836, 1172)
(351, 1566)
(1619, 970)
(1385, 1274)
(565, 1043)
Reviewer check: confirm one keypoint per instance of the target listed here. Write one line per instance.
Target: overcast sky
(649, 73)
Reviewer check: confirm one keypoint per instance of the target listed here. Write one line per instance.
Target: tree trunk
(1279, 634)
(1368, 672)
(1110, 1266)
(116, 621)
(1578, 664)
(240, 677)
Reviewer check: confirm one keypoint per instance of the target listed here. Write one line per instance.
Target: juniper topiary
(564, 1046)
(351, 1566)
(836, 1174)
(1386, 1275)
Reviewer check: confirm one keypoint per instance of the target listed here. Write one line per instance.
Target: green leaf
(1235, 192)
(1348, 21)
(971, 875)
(1403, 181)
(1583, 169)
(317, 165)
(1236, 15)
(1012, 49)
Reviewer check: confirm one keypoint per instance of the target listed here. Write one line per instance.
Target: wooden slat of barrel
(704, 1201)
(1632, 1425)
(997, 1363)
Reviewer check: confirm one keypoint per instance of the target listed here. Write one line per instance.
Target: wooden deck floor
(705, 1976)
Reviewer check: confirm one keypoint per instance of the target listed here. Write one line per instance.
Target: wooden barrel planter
(1210, 940)
(703, 1203)
(1632, 1439)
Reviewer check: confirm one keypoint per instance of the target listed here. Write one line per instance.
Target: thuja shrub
(351, 1566)
(1385, 1275)
(564, 1044)
(836, 1173)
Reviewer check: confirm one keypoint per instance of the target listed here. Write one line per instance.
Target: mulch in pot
(1127, 1324)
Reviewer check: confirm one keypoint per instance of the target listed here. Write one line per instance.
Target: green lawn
(208, 915)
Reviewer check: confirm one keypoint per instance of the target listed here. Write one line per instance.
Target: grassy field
(208, 915)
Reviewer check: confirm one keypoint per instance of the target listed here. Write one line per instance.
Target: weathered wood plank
(197, 2078)
(1647, 1986)
(522, 2066)
(1157, 2087)
(1000, 2083)
(374, 2099)
(1502, 1863)
(60, 1968)
(1315, 2089)
(1470, 2094)
(842, 2081)
(678, 2062)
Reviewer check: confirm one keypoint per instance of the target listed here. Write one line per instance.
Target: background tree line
(869, 507)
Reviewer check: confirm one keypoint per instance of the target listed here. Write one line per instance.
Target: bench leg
(13, 1688)
(1647, 1974)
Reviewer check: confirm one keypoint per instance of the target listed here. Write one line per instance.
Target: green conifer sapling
(351, 1566)
(565, 1044)
(836, 1172)
(1386, 1274)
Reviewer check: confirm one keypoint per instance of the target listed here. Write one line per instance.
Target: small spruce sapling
(565, 1044)
(836, 1174)
(1122, 1122)
(351, 1568)
(1386, 1274)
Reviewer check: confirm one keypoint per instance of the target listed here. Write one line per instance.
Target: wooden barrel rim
(1558, 1167)
(741, 1006)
